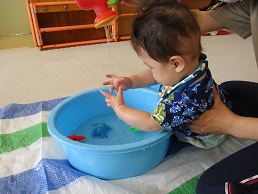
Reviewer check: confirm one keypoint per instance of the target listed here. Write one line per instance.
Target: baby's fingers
(119, 91)
(108, 98)
(112, 88)
(111, 76)
(105, 94)
(107, 83)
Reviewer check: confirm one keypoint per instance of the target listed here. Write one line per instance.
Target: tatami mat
(28, 75)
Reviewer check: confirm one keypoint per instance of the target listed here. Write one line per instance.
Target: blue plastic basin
(123, 153)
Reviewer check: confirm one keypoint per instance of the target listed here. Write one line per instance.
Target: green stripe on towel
(188, 187)
(23, 138)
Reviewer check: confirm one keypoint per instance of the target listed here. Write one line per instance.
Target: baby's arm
(142, 79)
(139, 80)
(136, 118)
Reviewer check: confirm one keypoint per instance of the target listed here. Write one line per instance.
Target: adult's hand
(216, 120)
(220, 120)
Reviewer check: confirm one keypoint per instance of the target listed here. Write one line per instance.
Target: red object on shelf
(76, 137)
(218, 32)
(224, 31)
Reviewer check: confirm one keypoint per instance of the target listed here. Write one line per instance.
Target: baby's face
(163, 73)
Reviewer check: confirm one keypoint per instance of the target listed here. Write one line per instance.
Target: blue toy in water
(100, 129)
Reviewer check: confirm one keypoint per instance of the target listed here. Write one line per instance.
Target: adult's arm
(206, 22)
(220, 120)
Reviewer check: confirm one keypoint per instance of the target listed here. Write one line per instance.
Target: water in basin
(119, 133)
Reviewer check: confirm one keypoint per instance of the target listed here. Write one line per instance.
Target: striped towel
(31, 161)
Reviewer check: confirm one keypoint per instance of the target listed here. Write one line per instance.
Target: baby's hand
(116, 82)
(114, 101)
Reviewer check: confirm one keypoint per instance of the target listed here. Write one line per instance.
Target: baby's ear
(178, 62)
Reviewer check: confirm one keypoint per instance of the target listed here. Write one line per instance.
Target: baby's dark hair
(165, 28)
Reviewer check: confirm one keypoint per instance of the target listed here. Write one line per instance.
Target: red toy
(104, 15)
(76, 137)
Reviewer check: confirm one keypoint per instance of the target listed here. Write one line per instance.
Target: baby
(166, 37)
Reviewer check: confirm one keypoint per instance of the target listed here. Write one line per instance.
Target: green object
(23, 138)
(112, 2)
(134, 129)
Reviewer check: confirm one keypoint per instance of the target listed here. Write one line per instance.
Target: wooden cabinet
(61, 23)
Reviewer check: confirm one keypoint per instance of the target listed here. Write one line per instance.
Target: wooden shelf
(62, 23)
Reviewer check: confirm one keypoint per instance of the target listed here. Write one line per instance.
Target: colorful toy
(76, 137)
(100, 129)
(112, 2)
(104, 15)
(134, 129)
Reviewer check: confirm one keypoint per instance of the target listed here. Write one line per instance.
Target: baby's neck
(191, 66)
